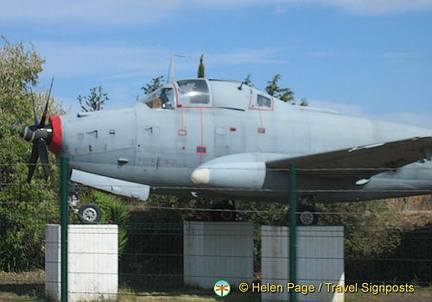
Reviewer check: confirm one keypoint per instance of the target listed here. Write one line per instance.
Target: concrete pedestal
(320, 263)
(217, 250)
(92, 262)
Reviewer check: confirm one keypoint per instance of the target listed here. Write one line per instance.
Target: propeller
(40, 135)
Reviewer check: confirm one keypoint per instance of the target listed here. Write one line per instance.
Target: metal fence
(387, 249)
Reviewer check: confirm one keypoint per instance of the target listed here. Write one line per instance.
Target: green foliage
(263, 213)
(94, 101)
(201, 68)
(380, 239)
(24, 212)
(19, 69)
(284, 94)
(368, 232)
(113, 211)
(24, 208)
(304, 102)
(153, 85)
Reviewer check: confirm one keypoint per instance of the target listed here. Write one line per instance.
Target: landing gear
(307, 213)
(89, 213)
(223, 211)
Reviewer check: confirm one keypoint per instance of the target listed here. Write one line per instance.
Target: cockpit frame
(188, 93)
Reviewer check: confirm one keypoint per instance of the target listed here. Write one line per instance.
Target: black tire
(223, 211)
(89, 213)
(307, 216)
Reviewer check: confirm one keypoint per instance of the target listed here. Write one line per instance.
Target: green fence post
(64, 216)
(293, 228)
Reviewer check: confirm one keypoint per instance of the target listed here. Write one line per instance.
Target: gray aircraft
(224, 140)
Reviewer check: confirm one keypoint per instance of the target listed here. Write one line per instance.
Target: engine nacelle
(237, 175)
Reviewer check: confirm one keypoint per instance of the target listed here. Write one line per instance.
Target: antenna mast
(171, 67)
(171, 70)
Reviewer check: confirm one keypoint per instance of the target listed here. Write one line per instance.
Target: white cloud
(244, 56)
(353, 6)
(153, 11)
(409, 118)
(402, 55)
(380, 6)
(280, 10)
(348, 109)
(123, 61)
(107, 60)
(92, 11)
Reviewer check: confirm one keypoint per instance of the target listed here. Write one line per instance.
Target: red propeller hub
(56, 137)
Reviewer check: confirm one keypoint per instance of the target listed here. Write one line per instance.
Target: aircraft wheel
(307, 216)
(224, 212)
(89, 213)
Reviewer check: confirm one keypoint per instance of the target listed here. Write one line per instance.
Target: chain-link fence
(386, 248)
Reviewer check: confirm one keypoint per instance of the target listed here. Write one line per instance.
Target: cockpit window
(162, 98)
(261, 102)
(193, 92)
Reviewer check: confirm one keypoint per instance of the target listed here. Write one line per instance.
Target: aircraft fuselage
(161, 145)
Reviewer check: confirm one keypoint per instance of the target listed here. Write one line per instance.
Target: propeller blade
(32, 162)
(43, 154)
(44, 115)
(38, 134)
(34, 108)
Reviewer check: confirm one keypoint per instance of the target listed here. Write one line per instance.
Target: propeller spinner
(40, 135)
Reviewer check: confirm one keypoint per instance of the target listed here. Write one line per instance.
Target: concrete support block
(217, 250)
(92, 262)
(320, 262)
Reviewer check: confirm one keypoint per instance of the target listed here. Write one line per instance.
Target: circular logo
(222, 288)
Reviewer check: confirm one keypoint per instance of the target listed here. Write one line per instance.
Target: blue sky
(362, 57)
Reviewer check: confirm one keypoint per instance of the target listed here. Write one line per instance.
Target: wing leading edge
(360, 162)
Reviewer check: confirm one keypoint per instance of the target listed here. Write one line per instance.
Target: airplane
(224, 140)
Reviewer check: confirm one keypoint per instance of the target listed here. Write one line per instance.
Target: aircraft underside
(410, 180)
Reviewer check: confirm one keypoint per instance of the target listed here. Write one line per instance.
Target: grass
(421, 294)
(29, 286)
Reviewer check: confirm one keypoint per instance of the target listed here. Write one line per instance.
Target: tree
(19, 69)
(154, 84)
(284, 94)
(94, 101)
(201, 68)
(304, 102)
(24, 208)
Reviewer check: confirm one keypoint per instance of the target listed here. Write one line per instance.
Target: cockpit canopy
(183, 93)
(209, 93)
(162, 98)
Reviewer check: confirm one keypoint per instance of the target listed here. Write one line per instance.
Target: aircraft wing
(360, 162)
